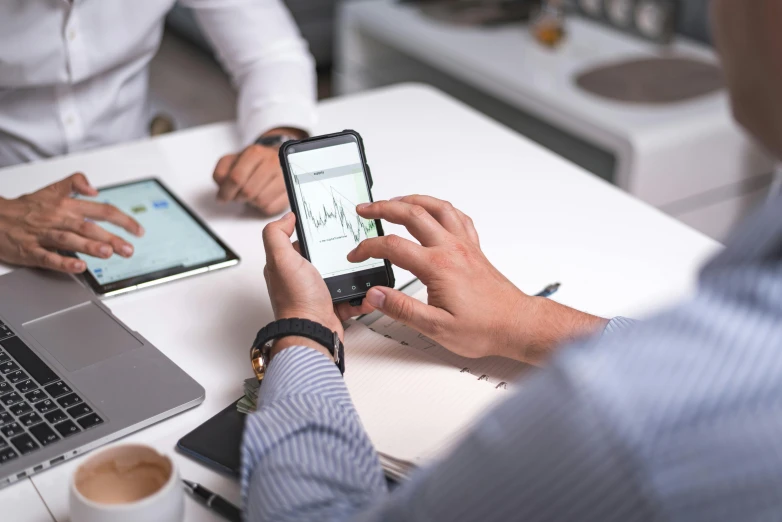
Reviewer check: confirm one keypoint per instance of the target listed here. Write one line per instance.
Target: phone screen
(328, 183)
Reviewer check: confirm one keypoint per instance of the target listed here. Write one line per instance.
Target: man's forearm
(538, 326)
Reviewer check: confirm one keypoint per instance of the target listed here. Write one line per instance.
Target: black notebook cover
(217, 442)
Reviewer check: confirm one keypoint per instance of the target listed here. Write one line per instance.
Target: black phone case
(295, 208)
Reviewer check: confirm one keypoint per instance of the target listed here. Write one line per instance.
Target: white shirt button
(71, 34)
(69, 120)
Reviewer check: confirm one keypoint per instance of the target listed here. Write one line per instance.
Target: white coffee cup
(127, 483)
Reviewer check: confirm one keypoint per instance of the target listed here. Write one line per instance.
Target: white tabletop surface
(541, 220)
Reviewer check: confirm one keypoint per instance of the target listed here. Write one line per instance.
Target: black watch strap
(304, 328)
(274, 140)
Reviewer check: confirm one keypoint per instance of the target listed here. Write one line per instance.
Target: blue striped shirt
(675, 418)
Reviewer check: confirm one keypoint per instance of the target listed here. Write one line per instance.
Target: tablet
(176, 243)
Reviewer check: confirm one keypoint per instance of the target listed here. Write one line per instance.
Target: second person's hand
(254, 176)
(473, 310)
(34, 227)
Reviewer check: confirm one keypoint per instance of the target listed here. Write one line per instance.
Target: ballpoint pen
(549, 290)
(213, 501)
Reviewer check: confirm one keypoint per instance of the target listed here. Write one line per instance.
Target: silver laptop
(72, 376)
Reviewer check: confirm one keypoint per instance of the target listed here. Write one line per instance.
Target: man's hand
(33, 227)
(473, 309)
(296, 288)
(254, 176)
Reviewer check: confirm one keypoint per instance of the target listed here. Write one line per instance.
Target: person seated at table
(71, 81)
(674, 418)
(74, 75)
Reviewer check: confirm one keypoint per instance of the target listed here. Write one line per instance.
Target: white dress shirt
(74, 73)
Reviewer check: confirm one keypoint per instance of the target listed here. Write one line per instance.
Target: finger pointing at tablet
(34, 227)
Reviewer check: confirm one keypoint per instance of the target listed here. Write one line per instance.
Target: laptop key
(67, 428)
(5, 332)
(24, 443)
(30, 419)
(79, 410)
(32, 364)
(35, 395)
(89, 421)
(10, 399)
(45, 406)
(69, 400)
(20, 409)
(12, 430)
(26, 386)
(55, 416)
(16, 376)
(5, 388)
(8, 367)
(3, 443)
(4, 357)
(44, 434)
(58, 388)
(7, 454)
(5, 418)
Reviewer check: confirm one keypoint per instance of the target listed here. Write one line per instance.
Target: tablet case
(217, 442)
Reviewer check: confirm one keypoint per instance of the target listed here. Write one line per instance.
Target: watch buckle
(259, 368)
(336, 347)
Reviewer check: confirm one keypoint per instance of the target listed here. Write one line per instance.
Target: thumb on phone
(409, 311)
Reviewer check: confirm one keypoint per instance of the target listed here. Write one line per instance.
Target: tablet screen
(174, 240)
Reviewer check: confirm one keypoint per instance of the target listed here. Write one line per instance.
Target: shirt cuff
(618, 324)
(300, 370)
(294, 115)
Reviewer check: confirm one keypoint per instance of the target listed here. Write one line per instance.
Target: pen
(549, 290)
(213, 501)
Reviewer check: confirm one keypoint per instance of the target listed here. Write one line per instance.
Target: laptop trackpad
(81, 336)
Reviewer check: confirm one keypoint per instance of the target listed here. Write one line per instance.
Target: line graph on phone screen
(330, 222)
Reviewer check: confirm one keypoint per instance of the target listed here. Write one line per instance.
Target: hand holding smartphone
(326, 177)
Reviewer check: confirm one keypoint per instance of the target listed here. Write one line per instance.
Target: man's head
(749, 40)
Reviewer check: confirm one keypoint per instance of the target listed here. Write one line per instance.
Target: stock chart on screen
(328, 184)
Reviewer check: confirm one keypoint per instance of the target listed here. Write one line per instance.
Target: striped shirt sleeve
(305, 454)
(617, 324)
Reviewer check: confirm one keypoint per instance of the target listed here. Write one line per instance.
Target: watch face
(650, 18)
(620, 12)
(592, 7)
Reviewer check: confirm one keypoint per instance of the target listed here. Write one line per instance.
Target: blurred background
(628, 89)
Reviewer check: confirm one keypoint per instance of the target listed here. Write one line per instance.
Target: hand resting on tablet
(35, 226)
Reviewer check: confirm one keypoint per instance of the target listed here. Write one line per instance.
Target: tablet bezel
(168, 274)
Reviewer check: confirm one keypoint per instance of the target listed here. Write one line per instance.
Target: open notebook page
(413, 406)
(497, 371)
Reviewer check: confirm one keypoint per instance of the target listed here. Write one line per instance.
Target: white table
(688, 158)
(541, 220)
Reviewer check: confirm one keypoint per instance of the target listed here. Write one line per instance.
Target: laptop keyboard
(36, 407)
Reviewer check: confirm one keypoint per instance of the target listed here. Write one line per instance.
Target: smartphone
(326, 177)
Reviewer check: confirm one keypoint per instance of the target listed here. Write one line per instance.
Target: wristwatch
(261, 347)
(274, 140)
